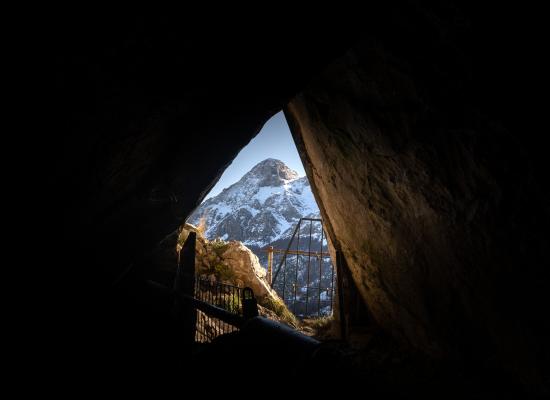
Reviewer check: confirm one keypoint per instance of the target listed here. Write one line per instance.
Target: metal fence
(207, 309)
(224, 296)
(305, 276)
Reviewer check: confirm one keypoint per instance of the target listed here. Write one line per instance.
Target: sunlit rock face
(423, 207)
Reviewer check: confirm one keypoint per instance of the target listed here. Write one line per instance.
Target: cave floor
(144, 339)
(369, 359)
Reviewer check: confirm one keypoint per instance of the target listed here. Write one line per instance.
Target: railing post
(184, 284)
(269, 264)
(250, 306)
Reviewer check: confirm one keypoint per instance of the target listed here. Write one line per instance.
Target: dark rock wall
(152, 111)
(420, 143)
(436, 198)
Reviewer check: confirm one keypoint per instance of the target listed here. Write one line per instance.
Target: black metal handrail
(228, 307)
(214, 311)
(223, 295)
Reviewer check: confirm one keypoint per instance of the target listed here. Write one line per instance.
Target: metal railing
(226, 297)
(205, 308)
(305, 276)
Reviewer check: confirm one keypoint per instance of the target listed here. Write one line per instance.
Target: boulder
(247, 269)
(240, 266)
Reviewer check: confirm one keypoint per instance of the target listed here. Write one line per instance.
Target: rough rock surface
(426, 211)
(246, 267)
(230, 262)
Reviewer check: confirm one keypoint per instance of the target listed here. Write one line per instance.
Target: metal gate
(227, 297)
(304, 277)
(207, 309)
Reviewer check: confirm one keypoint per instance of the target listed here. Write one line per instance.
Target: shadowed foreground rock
(424, 145)
(431, 223)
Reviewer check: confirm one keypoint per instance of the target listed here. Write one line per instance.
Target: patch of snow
(265, 214)
(220, 209)
(282, 226)
(265, 193)
(252, 210)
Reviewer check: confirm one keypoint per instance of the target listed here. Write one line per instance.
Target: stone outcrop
(433, 231)
(246, 267)
(230, 262)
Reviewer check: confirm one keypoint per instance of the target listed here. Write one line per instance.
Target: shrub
(224, 272)
(201, 227)
(231, 303)
(219, 246)
(281, 310)
(320, 323)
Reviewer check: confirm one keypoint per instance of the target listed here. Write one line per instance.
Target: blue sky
(273, 141)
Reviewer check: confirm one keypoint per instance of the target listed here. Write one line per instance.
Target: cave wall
(149, 112)
(144, 114)
(419, 143)
(433, 193)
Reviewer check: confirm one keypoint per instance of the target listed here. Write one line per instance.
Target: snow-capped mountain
(261, 209)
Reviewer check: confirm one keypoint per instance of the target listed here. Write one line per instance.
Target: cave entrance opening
(253, 220)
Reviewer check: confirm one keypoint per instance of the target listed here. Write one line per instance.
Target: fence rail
(304, 276)
(224, 297)
(207, 308)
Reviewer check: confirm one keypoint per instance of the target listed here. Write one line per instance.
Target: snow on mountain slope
(263, 207)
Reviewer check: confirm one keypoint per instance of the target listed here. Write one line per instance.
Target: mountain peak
(261, 208)
(270, 161)
(272, 172)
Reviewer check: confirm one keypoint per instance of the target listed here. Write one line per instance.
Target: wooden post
(269, 264)
(184, 284)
